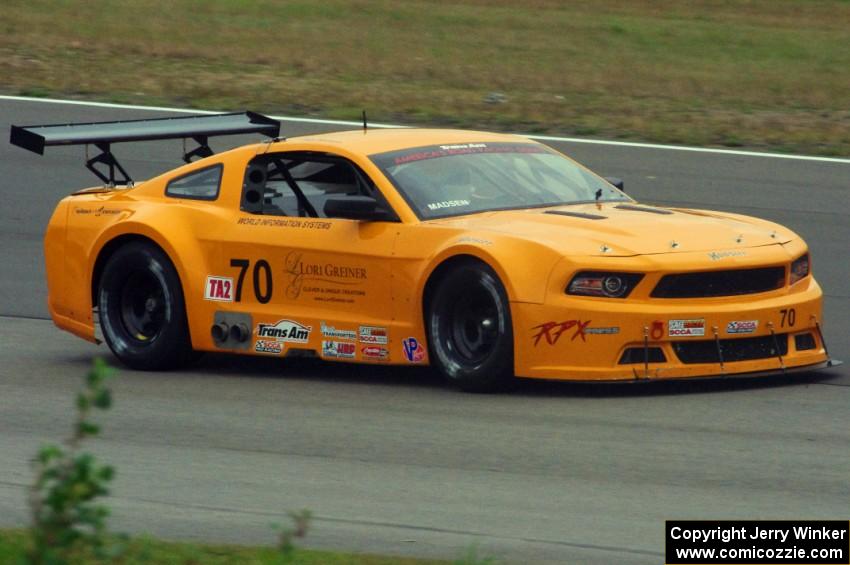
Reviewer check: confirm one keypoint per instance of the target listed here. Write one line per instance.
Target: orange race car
(489, 256)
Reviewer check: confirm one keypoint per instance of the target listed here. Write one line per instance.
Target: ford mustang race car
(489, 256)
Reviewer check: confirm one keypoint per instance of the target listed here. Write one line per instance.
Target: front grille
(720, 283)
(737, 349)
(804, 342)
(639, 355)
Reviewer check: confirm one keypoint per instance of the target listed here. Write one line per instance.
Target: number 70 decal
(789, 317)
(261, 276)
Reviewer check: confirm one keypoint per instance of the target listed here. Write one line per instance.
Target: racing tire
(470, 333)
(142, 311)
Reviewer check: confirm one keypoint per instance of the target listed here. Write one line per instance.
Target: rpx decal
(285, 330)
(552, 331)
(370, 334)
(219, 288)
(268, 346)
(742, 327)
(375, 352)
(686, 328)
(338, 349)
(413, 351)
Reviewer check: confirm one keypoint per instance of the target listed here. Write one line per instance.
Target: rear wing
(103, 134)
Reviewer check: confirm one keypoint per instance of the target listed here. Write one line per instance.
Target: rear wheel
(142, 312)
(469, 329)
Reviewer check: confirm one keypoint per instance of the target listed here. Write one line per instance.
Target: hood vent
(642, 209)
(584, 215)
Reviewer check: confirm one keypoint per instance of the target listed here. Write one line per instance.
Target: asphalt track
(391, 461)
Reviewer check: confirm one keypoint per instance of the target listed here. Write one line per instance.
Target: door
(307, 281)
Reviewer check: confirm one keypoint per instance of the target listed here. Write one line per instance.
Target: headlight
(800, 268)
(610, 285)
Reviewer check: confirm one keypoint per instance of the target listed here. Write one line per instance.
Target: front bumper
(588, 339)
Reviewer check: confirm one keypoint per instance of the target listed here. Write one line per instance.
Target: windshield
(451, 180)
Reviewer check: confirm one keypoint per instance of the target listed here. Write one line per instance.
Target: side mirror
(618, 183)
(354, 208)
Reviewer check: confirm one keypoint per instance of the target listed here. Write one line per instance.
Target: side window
(299, 184)
(197, 185)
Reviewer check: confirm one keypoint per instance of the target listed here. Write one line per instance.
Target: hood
(620, 229)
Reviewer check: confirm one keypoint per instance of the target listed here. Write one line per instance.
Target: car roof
(382, 140)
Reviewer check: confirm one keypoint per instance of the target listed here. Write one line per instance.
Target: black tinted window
(298, 184)
(198, 185)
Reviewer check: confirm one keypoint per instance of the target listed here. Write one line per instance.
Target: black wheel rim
(472, 325)
(143, 306)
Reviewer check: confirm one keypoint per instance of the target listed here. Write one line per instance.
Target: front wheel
(141, 307)
(470, 331)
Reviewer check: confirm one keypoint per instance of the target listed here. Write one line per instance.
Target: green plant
(287, 536)
(471, 558)
(65, 518)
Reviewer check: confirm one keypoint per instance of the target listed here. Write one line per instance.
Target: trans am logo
(285, 330)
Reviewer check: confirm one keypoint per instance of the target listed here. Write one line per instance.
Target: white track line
(844, 161)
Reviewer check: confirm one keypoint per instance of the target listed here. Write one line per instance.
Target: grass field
(13, 545)
(769, 74)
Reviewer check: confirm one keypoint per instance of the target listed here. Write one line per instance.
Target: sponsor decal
(284, 223)
(413, 351)
(686, 328)
(468, 239)
(552, 331)
(657, 330)
(463, 146)
(718, 255)
(219, 288)
(371, 334)
(742, 327)
(328, 282)
(447, 204)
(102, 211)
(605, 331)
(338, 349)
(330, 331)
(285, 330)
(437, 151)
(375, 352)
(268, 346)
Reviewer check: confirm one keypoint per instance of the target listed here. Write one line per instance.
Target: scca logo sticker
(413, 351)
(219, 288)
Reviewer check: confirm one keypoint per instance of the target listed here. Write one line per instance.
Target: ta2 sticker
(219, 289)
(413, 351)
